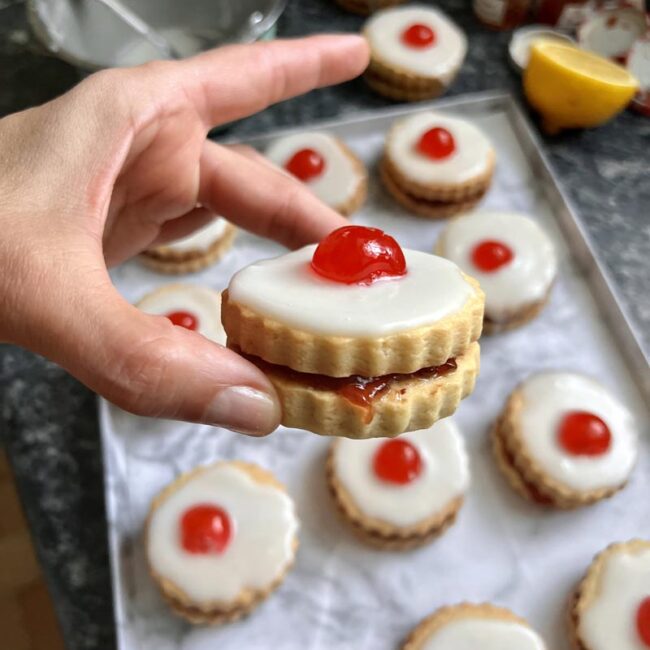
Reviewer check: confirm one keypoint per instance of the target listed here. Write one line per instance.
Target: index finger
(239, 80)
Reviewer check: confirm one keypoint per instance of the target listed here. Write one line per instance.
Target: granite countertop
(49, 421)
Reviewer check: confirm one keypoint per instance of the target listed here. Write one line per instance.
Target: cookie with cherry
(565, 441)
(415, 52)
(352, 336)
(403, 492)
(436, 166)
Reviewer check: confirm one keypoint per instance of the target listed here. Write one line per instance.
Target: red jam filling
(360, 391)
(205, 529)
(437, 144)
(584, 434)
(358, 255)
(184, 319)
(306, 164)
(418, 36)
(643, 621)
(490, 255)
(397, 461)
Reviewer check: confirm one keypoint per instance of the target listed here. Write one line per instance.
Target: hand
(121, 163)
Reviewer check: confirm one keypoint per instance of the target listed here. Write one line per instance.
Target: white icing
(439, 61)
(525, 280)
(286, 289)
(202, 238)
(610, 621)
(259, 550)
(339, 180)
(486, 634)
(201, 302)
(444, 475)
(547, 398)
(470, 159)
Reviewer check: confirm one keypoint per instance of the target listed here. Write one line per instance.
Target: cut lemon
(573, 88)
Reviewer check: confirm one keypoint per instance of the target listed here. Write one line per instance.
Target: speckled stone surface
(48, 421)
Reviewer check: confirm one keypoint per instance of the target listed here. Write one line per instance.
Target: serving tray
(342, 595)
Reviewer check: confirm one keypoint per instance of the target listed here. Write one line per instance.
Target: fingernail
(245, 410)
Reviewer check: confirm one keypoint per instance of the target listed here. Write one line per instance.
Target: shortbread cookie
(563, 440)
(194, 252)
(611, 608)
(185, 305)
(219, 540)
(365, 7)
(371, 340)
(437, 166)
(470, 627)
(326, 165)
(513, 259)
(400, 493)
(415, 52)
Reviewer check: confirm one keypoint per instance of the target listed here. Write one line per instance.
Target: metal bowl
(87, 34)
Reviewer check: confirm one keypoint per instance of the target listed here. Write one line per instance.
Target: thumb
(148, 366)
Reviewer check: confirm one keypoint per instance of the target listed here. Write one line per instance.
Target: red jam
(184, 319)
(360, 391)
(643, 621)
(584, 434)
(306, 164)
(397, 461)
(418, 36)
(490, 255)
(358, 255)
(205, 529)
(437, 144)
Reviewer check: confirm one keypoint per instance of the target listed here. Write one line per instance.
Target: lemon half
(573, 88)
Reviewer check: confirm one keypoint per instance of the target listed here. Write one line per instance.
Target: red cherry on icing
(584, 434)
(358, 255)
(184, 319)
(306, 164)
(490, 255)
(643, 621)
(205, 529)
(397, 461)
(418, 35)
(436, 143)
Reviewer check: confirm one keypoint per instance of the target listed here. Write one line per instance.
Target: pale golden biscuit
(440, 192)
(517, 319)
(399, 86)
(419, 498)
(365, 7)
(212, 612)
(358, 198)
(607, 584)
(528, 474)
(403, 352)
(408, 403)
(168, 260)
(481, 616)
(424, 207)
